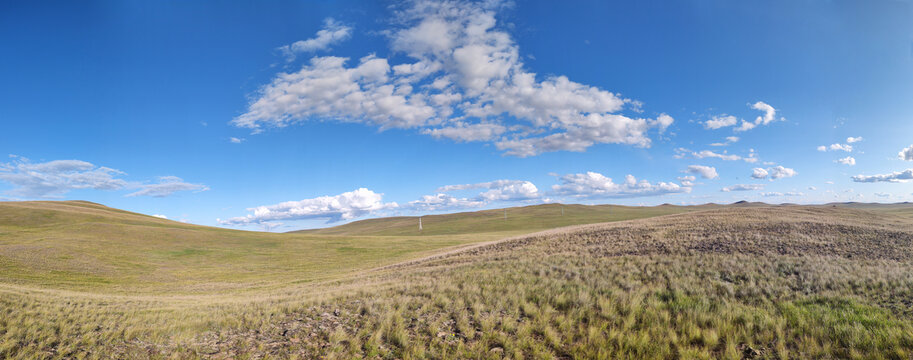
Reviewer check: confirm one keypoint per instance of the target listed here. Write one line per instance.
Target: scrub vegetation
(708, 282)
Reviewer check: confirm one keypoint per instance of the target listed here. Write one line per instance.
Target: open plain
(81, 280)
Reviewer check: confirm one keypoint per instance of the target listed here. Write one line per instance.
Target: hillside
(82, 245)
(518, 219)
(741, 281)
(755, 282)
(87, 246)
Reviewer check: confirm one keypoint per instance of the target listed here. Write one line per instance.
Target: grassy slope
(777, 283)
(87, 246)
(785, 282)
(904, 209)
(519, 220)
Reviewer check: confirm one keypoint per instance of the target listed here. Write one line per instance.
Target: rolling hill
(511, 220)
(80, 280)
(83, 245)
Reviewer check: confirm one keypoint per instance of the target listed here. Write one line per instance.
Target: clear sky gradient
(289, 114)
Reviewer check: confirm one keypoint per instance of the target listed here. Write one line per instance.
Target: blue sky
(284, 115)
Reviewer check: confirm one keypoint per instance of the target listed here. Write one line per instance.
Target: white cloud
(687, 181)
(465, 81)
(706, 172)
(849, 160)
(906, 154)
(499, 190)
(464, 132)
(883, 195)
(844, 147)
(443, 201)
(720, 121)
(682, 152)
(743, 187)
(812, 188)
(662, 122)
(235, 140)
(596, 185)
(851, 139)
(901, 176)
(776, 172)
(776, 194)
(769, 116)
(333, 32)
(836, 147)
(166, 186)
(160, 216)
(729, 140)
(55, 178)
(345, 206)
(328, 89)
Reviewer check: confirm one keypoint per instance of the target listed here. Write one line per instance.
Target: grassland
(734, 282)
(511, 221)
(90, 247)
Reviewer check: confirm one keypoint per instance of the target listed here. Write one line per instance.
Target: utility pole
(419, 223)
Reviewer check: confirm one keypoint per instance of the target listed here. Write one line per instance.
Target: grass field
(82, 280)
(86, 246)
(507, 221)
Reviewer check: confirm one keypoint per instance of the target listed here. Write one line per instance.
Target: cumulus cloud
(333, 32)
(55, 178)
(836, 147)
(849, 160)
(687, 181)
(729, 140)
(706, 172)
(743, 187)
(345, 206)
(464, 80)
(769, 116)
(776, 172)
(851, 139)
(499, 190)
(443, 201)
(595, 185)
(166, 186)
(235, 140)
(720, 121)
(901, 176)
(906, 154)
(776, 194)
(472, 132)
(682, 152)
